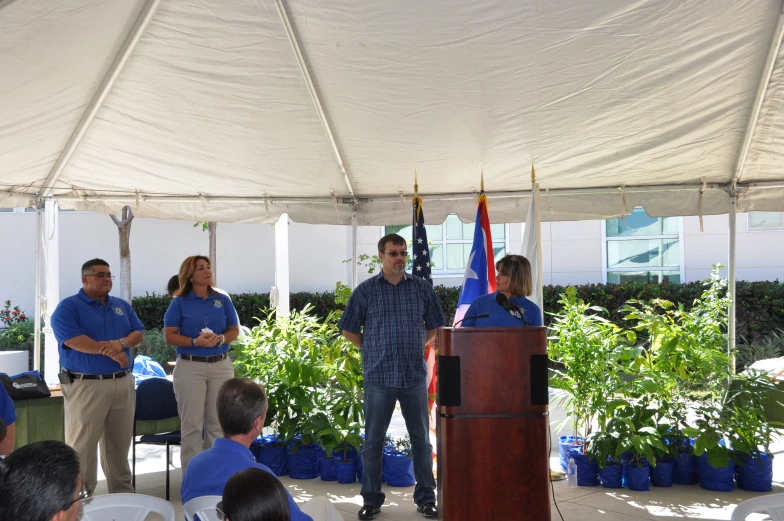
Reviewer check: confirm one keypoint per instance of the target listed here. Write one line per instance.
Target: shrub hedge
(760, 308)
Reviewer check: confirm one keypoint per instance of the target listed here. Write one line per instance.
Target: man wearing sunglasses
(95, 333)
(40, 482)
(391, 317)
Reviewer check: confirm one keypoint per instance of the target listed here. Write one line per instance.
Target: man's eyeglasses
(83, 493)
(219, 511)
(396, 254)
(101, 275)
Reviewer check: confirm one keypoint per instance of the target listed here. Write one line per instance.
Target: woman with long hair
(201, 323)
(254, 495)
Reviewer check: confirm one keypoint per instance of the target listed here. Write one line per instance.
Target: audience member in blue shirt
(242, 407)
(201, 323)
(8, 416)
(95, 333)
(391, 317)
(513, 280)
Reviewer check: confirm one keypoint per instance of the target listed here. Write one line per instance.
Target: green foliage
(311, 373)
(403, 445)
(748, 427)
(770, 346)
(21, 337)
(150, 309)
(155, 347)
(204, 225)
(11, 316)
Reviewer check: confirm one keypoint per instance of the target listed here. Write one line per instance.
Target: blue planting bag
(346, 471)
(274, 457)
(610, 476)
(754, 476)
(565, 445)
(661, 474)
(719, 479)
(327, 469)
(684, 470)
(398, 469)
(587, 470)
(304, 463)
(638, 478)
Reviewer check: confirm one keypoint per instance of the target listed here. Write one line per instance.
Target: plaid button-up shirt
(396, 320)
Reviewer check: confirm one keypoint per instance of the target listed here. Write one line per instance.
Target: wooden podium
(492, 424)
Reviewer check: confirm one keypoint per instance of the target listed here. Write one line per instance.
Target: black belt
(112, 376)
(207, 359)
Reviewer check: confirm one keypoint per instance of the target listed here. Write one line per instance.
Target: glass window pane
(638, 223)
(499, 250)
(455, 256)
(671, 225)
(765, 219)
(403, 231)
(498, 231)
(468, 231)
(642, 253)
(435, 232)
(437, 257)
(654, 277)
(454, 228)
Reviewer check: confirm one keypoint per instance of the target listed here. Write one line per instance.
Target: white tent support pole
(354, 265)
(282, 265)
(52, 268)
(762, 89)
(100, 96)
(37, 326)
(303, 66)
(731, 280)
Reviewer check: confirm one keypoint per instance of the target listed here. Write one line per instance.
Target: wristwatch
(122, 343)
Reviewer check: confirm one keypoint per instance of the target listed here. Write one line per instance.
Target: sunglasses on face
(396, 254)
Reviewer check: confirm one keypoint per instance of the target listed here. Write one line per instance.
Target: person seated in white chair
(254, 495)
(242, 408)
(41, 482)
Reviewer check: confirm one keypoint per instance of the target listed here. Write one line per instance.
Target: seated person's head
(242, 407)
(173, 285)
(254, 495)
(40, 482)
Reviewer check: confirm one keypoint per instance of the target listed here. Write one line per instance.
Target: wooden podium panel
(492, 425)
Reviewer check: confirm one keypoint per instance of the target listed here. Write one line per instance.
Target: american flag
(420, 251)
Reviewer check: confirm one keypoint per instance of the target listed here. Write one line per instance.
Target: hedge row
(760, 308)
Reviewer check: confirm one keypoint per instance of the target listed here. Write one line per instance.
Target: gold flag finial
(533, 175)
(482, 181)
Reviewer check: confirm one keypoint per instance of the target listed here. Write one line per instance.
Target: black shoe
(428, 510)
(368, 512)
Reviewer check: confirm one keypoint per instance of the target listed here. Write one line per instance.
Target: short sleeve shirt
(191, 313)
(81, 315)
(498, 316)
(395, 319)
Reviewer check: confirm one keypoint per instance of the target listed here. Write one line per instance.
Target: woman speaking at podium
(507, 307)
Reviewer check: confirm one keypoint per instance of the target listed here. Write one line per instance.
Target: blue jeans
(379, 406)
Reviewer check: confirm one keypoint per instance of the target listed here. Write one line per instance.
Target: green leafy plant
(748, 427)
(769, 346)
(403, 445)
(11, 316)
(340, 436)
(155, 346)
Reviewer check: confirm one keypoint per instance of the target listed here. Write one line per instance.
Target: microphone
(472, 316)
(511, 308)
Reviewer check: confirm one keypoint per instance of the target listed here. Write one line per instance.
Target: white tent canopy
(244, 110)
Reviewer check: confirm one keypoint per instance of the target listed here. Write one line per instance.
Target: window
(765, 221)
(450, 243)
(643, 249)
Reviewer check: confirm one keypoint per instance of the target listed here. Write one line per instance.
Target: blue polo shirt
(191, 313)
(7, 407)
(208, 472)
(499, 317)
(81, 315)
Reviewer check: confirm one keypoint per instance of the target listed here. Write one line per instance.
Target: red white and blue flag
(479, 276)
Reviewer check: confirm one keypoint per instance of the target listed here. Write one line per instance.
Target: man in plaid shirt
(400, 315)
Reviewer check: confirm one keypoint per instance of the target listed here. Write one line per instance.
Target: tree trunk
(213, 228)
(123, 222)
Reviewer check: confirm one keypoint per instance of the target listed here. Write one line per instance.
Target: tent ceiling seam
(98, 99)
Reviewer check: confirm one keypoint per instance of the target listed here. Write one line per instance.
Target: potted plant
(716, 466)
(341, 443)
(398, 465)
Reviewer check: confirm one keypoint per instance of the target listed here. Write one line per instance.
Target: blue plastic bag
(587, 470)
(720, 479)
(661, 474)
(328, 470)
(398, 469)
(146, 366)
(346, 471)
(684, 470)
(610, 476)
(638, 478)
(565, 445)
(274, 455)
(304, 461)
(756, 476)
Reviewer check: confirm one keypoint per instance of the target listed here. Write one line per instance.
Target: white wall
(571, 252)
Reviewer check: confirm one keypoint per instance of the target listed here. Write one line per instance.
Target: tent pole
(354, 275)
(100, 95)
(282, 265)
(37, 318)
(731, 280)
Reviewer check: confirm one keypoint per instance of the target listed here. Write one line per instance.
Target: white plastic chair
(126, 507)
(203, 506)
(773, 505)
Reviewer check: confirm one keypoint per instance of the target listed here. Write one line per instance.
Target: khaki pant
(321, 509)
(196, 386)
(100, 413)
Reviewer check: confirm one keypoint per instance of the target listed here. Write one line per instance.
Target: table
(39, 419)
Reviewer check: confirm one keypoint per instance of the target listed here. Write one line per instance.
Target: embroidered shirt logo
(118, 311)
(218, 304)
